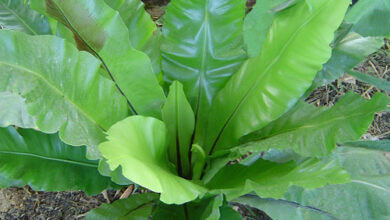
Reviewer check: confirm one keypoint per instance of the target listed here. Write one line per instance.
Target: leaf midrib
(370, 185)
(295, 204)
(56, 90)
(126, 215)
(203, 63)
(19, 18)
(306, 126)
(73, 29)
(49, 158)
(311, 17)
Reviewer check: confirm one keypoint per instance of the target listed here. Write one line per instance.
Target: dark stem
(178, 158)
(186, 211)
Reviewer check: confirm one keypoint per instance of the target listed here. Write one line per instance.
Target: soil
(24, 203)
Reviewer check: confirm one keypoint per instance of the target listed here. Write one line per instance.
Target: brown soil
(24, 203)
(378, 65)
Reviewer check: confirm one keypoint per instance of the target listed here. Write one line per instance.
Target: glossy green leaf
(268, 85)
(283, 209)
(377, 82)
(13, 111)
(205, 209)
(366, 197)
(179, 120)
(347, 53)
(136, 207)
(61, 87)
(258, 22)
(17, 15)
(104, 34)
(271, 180)
(370, 17)
(314, 132)
(138, 144)
(137, 20)
(43, 162)
(152, 49)
(202, 47)
(143, 32)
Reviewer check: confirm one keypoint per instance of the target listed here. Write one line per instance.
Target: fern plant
(204, 113)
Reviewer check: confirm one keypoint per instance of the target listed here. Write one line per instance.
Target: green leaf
(139, 144)
(104, 34)
(271, 180)
(347, 53)
(314, 132)
(13, 111)
(366, 197)
(61, 87)
(228, 213)
(258, 22)
(205, 209)
(136, 207)
(143, 32)
(43, 162)
(268, 85)
(377, 82)
(116, 175)
(202, 47)
(198, 160)
(179, 120)
(63, 32)
(283, 209)
(17, 15)
(370, 17)
(383, 145)
(138, 21)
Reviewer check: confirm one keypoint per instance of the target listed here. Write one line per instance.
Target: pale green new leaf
(268, 85)
(13, 111)
(61, 87)
(258, 22)
(138, 144)
(17, 15)
(370, 17)
(42, 161)
(205, 209)
(179, 120)
(347, 53)
(101, 31)
(271, 180)
(202, 46)
(366, 197)
(136, 207)
(314, 132)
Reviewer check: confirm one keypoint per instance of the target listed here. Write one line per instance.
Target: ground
(24, 203)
